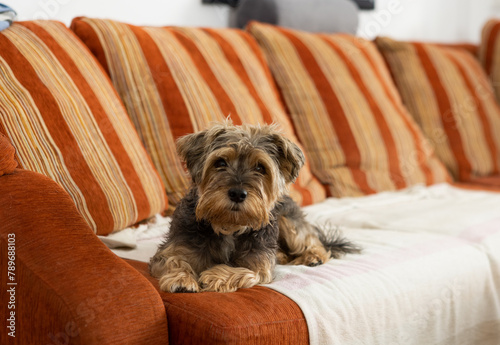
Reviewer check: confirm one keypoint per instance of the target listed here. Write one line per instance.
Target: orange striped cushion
(175, 81)
(470, 47)
(347, 112)
(489, 52)
(63, 116)
(451, 98)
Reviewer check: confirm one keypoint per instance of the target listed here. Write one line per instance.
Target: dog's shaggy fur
(237, 221)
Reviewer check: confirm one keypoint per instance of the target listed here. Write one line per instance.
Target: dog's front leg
(224, 278)
(171, 265)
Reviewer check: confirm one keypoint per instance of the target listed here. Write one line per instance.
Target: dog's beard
(227, 217)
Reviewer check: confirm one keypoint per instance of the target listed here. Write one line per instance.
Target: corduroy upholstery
(70, 288)
(357, 134)
(255, 316)
(491, 184)
(176, 81)
(487, 181)
(451, 98)
(66, 121)
(7, 153)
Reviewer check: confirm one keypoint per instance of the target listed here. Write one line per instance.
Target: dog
(237, 221)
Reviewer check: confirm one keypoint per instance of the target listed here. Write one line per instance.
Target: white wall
(429, 20)
(142, 12)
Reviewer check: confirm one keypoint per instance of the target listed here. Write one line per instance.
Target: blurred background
(428, 20)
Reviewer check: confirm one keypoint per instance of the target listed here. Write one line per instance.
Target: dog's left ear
(290, 157)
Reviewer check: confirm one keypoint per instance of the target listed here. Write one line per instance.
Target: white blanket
(429, 272)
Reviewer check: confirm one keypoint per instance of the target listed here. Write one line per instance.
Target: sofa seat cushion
(452, 99)
(428, 253)
(249, 316)
(175, 81)
(61, 113)
(487, 181)
(477, 186)
(347, 112)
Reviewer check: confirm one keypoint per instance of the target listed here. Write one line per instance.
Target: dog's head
(240, 172)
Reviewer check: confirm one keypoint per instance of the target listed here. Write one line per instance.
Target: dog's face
(240, 172)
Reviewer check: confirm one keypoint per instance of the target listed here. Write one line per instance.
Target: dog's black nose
(237, 194)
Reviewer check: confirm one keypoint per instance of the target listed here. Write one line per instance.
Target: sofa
(89, 116)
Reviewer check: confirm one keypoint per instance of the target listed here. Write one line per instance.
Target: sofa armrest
(7, 156)
(65, 286)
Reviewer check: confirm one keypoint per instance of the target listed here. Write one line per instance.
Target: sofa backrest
(65, 119)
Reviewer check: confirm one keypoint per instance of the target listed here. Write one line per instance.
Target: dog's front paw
(178, 282)
(222, 278)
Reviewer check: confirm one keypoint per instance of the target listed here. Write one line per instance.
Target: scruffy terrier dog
(237, 221)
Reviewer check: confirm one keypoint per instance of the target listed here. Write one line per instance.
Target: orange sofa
(93, 133)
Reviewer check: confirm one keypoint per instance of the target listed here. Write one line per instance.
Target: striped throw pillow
(450, 96)
(489, 52)
(176, 81)
(64, 118)
(347, 112)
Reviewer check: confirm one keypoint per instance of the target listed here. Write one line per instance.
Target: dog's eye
(260, 169)
(220, 163)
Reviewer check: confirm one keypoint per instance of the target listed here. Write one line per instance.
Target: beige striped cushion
(450, 96)
(63, 116)
(348, 115)
(175, 81)
(489, 52)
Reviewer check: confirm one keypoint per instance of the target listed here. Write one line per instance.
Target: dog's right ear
(290, 157)
(191, 150)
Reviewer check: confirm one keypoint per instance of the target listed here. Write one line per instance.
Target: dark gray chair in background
(307, 15)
